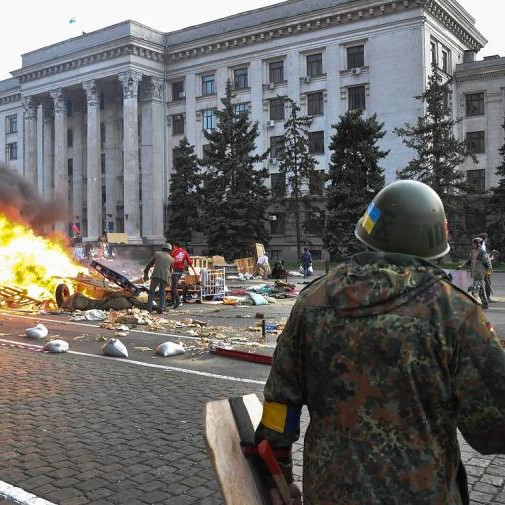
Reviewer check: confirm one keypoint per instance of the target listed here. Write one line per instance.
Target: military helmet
(166, 247)
(405, 217)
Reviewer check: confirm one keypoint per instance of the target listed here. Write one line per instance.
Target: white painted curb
(19, 496)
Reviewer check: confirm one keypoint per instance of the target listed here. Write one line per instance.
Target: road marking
(20, 496)
(37, 348)
(89, 325)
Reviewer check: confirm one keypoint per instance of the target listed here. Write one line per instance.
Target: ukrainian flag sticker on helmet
(370, 218)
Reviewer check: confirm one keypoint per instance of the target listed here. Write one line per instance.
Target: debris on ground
(38, 332)
(89, 315)
(115, 348)
(170, 349)
(56, 346)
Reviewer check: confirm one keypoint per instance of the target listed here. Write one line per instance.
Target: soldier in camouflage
(390, 359)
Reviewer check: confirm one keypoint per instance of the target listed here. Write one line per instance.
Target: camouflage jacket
(390, 359)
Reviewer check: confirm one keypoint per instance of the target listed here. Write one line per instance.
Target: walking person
(391, 360)
(181, 259)
(489, 273)
(306, 262)
(162, 262)
(480, 266)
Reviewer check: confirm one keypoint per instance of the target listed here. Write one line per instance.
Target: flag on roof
(72, 20)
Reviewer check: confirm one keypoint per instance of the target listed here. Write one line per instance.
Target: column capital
(29, 107)
(130, 81)
(92, 92)
(152, 89)
(58, 100)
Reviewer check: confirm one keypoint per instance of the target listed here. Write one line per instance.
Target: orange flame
(31, 262)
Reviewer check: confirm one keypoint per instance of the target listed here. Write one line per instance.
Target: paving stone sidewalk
(76, 430)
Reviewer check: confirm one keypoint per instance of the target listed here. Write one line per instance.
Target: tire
(61, 294)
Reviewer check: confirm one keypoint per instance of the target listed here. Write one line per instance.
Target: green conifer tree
(438, 152)
(298, 166)
(497, 207)
(355, 178)
(185, 200)
(234, 191)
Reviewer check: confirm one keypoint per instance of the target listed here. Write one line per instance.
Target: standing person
(181, 259)
(480, 268)
(306, 262)
(162, 262)
(262, 267)
(489, 273)
(391, 360)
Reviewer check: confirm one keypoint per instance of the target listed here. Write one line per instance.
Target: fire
(32, 262)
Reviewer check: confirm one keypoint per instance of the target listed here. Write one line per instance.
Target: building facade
(95, 119)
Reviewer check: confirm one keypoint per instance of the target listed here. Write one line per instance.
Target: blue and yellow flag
(370, 218)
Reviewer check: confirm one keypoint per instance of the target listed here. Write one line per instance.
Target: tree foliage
(297, 164)
(185, 201)
(355, 177)
(438, 152)
(497, 206)
(234, 191)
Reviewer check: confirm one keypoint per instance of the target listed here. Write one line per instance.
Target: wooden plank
(260, 249)
(234, 473)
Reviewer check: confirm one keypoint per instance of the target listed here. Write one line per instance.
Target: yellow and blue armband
(280, 417)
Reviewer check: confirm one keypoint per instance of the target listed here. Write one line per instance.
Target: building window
(445, 61)
(277, 109)
(276, 146)
(70, 169)
(434, 56)
(70, 108)
(240, 78)
(12, 151)
(315, 65)
(316, 183)
(316, 142)
(102, 164)
(277, 223)
(102, 101)
(476, 179)
(315, 104)
(278, 185)
(209, 119)
(476, 142)
(475, 104)
(70, 137)
(178, 90)
(102, 135)
(356, 97)
(178, 124)
(276, 71)
(241, 108)
(208, 85)
(12, 124)
(355, 57)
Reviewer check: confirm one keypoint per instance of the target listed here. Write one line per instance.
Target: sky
(37, 24)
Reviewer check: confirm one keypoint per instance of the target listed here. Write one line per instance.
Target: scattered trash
(271, 327)
(38, 332)
(259, 315)
(170, 349)
(95, 315)
(143, 349)
(113, 347)
(56, 346)
(258, 299)
(121, 334)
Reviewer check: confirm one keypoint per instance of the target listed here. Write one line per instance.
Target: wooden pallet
(15, 297)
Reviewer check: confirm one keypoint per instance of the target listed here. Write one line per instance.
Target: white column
(93, 165)
(47, 162)
(30, 138)
(152, 160)
(130, 81)
(112, 159)
(60, 155)
(40, 149)
(79, 194)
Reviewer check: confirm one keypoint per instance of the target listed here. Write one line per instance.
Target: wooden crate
(245, 265)
(202, 262)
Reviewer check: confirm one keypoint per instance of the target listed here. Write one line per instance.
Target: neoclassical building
(95, 118)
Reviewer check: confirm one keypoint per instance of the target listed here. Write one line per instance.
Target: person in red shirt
(181, 259)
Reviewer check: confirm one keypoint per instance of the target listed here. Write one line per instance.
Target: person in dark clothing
(162, 262)
(306, 262)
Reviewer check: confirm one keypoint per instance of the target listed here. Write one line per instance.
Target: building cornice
(127, 49)
(5, 100)
(341, 15)
(481, 76)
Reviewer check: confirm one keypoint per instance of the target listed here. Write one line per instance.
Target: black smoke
(19, 200)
